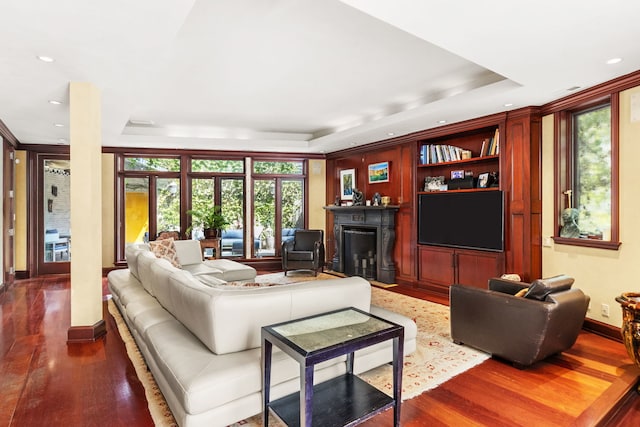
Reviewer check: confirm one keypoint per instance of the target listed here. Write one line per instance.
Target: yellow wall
(136, 211)
(108, 220)
(20, 259)
(602, 274)
(317, 192)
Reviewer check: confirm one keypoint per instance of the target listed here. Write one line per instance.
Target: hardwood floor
(44, 381)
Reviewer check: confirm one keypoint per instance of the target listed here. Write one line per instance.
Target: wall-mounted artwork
(379, 172)
(54, 191)
(347, 183)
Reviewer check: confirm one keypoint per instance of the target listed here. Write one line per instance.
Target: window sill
(588, 243)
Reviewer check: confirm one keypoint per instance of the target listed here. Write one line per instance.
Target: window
(278, 197)
(155, 192)
(587, 192)
(150, 198)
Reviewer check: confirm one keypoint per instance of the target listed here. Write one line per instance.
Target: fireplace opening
(360, 252)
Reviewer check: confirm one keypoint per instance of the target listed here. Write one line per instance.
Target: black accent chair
(545, 320)
(304, 252)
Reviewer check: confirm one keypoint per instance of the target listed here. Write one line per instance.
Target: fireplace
(375, 226)
(360, 247)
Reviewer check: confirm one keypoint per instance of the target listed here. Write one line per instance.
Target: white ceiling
(298, 75)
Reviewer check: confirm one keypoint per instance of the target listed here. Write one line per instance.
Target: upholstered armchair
(546, 318)
(304, 252)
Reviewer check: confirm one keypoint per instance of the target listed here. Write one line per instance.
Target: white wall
(602, 274)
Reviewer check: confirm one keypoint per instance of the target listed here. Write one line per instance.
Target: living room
(534, 199)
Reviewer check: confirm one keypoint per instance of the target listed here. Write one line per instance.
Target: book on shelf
(485, 145)
(440, 153)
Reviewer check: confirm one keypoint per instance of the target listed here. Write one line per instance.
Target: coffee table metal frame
(345, 400)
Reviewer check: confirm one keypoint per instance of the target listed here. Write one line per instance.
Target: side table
(213, 244)
(344, 400)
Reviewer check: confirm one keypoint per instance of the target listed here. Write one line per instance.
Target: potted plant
(210, 219)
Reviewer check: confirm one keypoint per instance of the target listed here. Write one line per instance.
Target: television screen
(471, 220)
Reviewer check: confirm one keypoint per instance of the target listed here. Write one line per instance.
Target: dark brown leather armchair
(545, 320)
(304, 252)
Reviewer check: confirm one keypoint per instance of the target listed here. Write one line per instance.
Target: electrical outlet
(605, 310)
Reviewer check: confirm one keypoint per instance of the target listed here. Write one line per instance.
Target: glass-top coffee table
(343, 401)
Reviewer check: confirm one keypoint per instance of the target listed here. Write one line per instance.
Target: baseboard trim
(85, 334)
(603, 329)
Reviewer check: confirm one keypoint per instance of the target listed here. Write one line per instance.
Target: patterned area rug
(436, 359)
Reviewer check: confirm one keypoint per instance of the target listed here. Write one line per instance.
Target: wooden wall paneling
(405, 252)
(521, 162)
(333, 179)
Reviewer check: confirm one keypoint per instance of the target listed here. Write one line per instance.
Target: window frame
(564, 174)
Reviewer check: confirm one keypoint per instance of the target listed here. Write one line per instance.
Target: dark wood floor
(44, 381)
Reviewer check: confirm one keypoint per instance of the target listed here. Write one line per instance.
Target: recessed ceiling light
(441, 122)
(390, 133)
(58, 125)
(62, 140)
(54, 102)
(614, 61)
(508, 104)
(45, 58)
(572, 88)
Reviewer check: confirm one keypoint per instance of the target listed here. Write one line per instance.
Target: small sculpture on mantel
(358, 198)
(377, 199)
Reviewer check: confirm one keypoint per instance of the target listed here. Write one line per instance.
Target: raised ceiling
(298, 75)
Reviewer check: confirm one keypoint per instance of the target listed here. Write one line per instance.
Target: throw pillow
(165, 249)
(521, 292)
(540, 288)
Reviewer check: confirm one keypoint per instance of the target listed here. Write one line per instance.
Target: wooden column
(522, 184)
(87, 323)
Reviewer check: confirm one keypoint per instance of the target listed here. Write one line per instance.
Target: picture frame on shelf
(483, 180)
(378, 172)
(457, 174)
(433, 183)
(347, 183)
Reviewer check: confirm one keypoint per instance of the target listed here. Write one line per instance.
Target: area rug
(436, 359)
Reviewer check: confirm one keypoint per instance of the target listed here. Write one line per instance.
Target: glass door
(54, 215)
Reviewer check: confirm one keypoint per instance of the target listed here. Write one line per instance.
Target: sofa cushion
(540, 288)
(131, 253)
(145, 261)
(231, 270)
(300, 256)
(166, 249)
(189, 251)
(202, 268)
(158, 277)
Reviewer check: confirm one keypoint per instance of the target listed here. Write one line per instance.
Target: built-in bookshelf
(464, 161)
(468, 161)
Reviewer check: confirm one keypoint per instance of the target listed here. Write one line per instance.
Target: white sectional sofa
(201, 339)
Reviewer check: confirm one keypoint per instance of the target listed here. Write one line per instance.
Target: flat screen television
(472, 220)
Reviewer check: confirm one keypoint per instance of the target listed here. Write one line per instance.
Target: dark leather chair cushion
(300, 256)
(541, 288)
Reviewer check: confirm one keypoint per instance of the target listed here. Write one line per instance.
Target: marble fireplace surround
(378, 218)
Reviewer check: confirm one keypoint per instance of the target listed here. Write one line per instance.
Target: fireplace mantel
(380, 218)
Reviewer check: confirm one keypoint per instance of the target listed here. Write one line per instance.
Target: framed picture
(457, 174)
(379, 172)
(347, 183)
(433, 183)
(483, 180)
